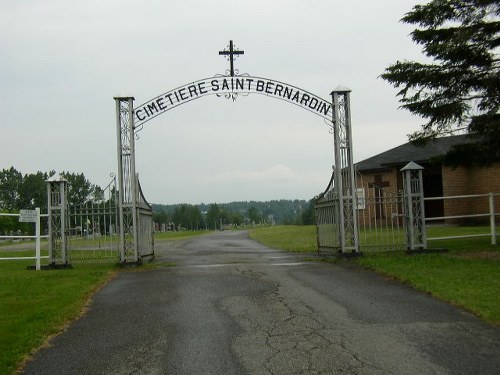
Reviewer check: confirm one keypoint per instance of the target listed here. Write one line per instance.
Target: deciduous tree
(79, 188)
(10, 182)
(33, 191)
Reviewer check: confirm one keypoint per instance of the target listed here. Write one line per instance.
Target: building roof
(407, 152)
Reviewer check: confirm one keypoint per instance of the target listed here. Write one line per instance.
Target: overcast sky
(62, 62)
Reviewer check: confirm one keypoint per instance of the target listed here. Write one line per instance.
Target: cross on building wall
(231, 55)
(378, 184)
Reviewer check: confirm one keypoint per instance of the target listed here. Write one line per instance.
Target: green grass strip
(35, 305)
(293, 238)
(470, 280)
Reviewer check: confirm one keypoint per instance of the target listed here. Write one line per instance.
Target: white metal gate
(381, 217)
(93, 226)
(386, 219)
(145, 227)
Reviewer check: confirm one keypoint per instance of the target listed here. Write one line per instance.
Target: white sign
(360, 198)
(27, 216)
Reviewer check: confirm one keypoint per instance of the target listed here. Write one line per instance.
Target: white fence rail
(37, 237)
(487, 210)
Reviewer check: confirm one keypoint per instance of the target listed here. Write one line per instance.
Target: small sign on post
(27, 216)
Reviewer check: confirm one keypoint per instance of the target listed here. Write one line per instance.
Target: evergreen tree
(188, 216)
(214, 216)
(460, 86)
(307, 217)
(254, 215)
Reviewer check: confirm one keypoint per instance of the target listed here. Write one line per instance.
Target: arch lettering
(231, 87)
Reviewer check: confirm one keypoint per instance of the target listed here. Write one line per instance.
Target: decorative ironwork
(232, 94)
(413, 188)
(238, 85)
(135, 214)
(326, 211)
(230, 86)
(93, 225)
(145, 225)
(231, 54)
(127, 195)
(380, 215)
(344, 176)
(57, 193)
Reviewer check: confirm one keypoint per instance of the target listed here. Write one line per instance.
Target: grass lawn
(294, 238)
(468, 275)
(37, 304)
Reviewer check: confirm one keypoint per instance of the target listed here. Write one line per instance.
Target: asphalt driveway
(233, 306)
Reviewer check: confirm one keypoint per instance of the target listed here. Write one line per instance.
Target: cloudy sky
(62, 62)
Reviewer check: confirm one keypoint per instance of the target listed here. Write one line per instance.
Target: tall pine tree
(460, 86)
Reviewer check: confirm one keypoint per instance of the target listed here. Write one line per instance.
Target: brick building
(382, 171)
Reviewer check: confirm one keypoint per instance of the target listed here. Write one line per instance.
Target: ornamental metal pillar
(344, 175)
(413, 193)
(127, 190)
(57, 197)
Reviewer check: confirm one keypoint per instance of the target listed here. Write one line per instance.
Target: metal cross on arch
(231, 55)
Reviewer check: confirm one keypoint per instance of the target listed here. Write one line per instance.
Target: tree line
(216, 216)
(18, 191)
(27, 191)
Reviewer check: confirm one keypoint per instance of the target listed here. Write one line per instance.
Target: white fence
(477, 207)
(381, 219)
(37, 237)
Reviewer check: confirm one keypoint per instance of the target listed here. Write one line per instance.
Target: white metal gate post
(57, 195)
(127, 191)
(493, 231)
(37, 240)
(413, 190)
(344, 176)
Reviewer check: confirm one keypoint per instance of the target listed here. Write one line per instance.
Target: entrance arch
(136, 241)
(231, 87)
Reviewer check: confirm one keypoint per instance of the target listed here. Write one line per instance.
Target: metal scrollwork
(137, 129)
(330, 125)
(232, 95)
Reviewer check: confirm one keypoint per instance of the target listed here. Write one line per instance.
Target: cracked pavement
(233, 306)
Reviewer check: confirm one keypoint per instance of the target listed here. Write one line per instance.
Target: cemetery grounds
(37, 305)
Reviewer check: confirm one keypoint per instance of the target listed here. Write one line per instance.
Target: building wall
(469, 181)
(373, 212)
(455, 182)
